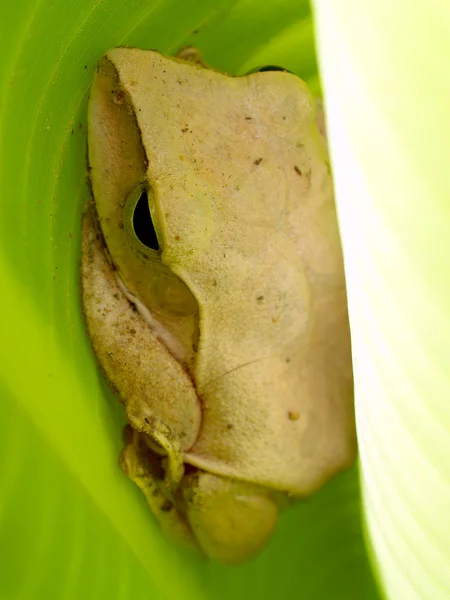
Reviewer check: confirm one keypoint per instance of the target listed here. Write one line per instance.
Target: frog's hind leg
(232, 520)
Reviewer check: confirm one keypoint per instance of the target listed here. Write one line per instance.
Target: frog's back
(246, 201)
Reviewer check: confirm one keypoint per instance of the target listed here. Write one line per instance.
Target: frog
(214, 295)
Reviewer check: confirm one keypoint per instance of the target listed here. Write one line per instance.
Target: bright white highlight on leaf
(388, 125)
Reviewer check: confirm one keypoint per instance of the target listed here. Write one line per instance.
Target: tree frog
(214, 293)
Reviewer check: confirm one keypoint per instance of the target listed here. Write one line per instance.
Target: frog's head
(215, 202)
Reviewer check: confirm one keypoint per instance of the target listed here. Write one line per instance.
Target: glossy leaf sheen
(389, 125)
(71, 525)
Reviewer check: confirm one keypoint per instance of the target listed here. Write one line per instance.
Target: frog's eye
(141, 256)
(143, 224)
(268, 68)
(138, 220)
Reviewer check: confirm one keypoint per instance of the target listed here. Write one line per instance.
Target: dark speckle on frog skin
(119, 97)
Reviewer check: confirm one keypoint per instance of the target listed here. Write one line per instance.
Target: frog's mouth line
(164, 336)
(172, 344)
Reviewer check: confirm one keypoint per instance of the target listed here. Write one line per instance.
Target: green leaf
(384, 67)
(71, 525)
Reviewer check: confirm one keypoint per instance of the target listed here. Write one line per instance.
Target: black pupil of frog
(271, 68)
(268, 68)
(143, 224)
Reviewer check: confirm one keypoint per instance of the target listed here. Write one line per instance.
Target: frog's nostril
(143, 224)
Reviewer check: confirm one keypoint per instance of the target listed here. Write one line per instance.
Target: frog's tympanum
(214, 293)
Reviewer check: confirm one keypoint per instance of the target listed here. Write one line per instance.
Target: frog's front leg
(162, 441)
(146, 470)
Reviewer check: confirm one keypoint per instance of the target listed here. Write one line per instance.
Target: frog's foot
(145, 469)
(232, 520)
(161, 441)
